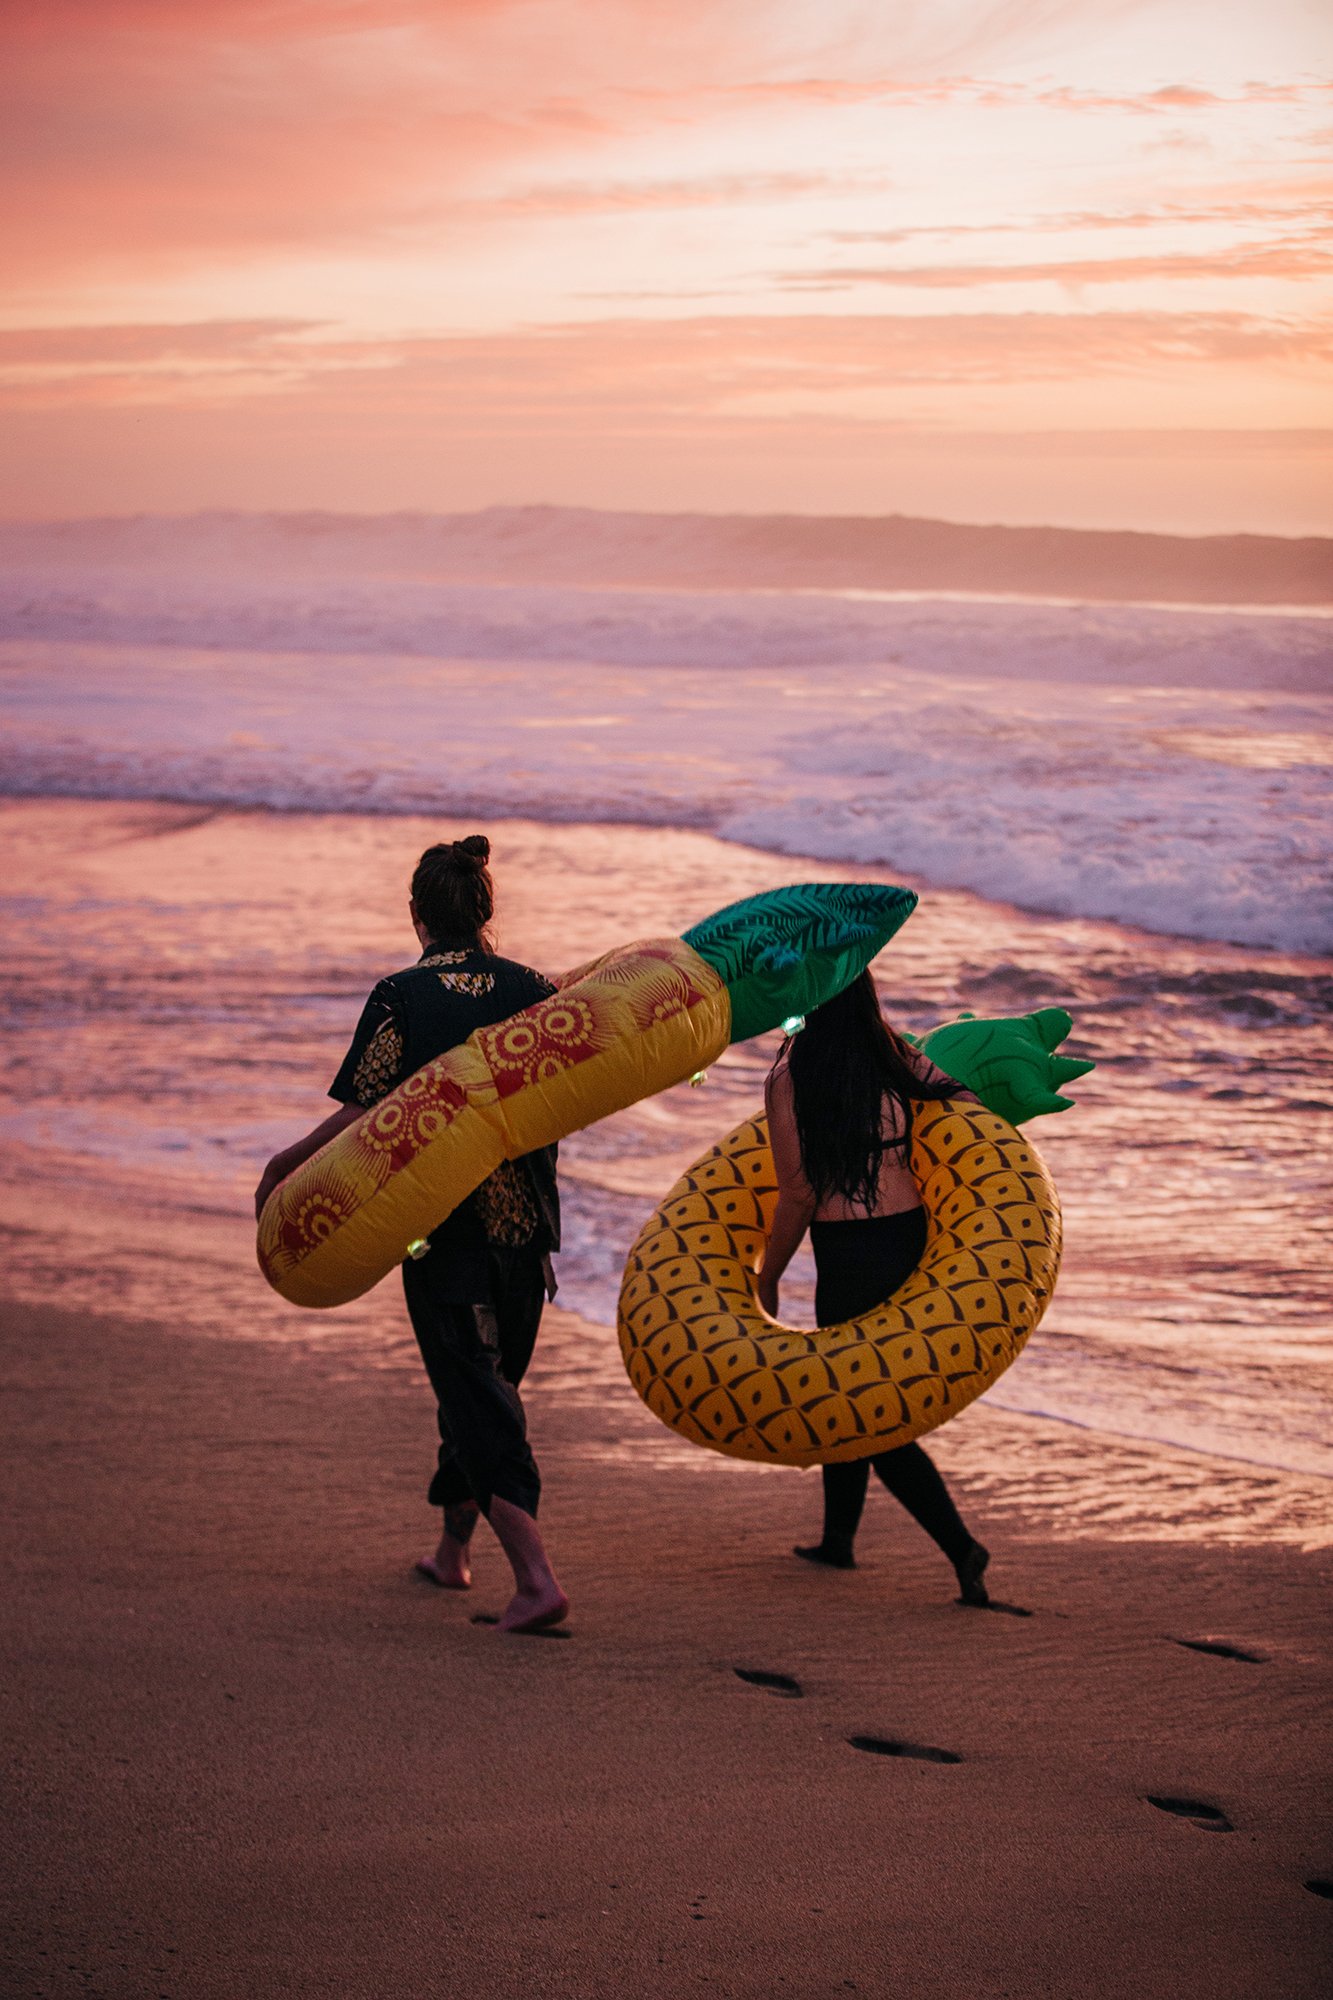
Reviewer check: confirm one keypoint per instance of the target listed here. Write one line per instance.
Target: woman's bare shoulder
(930, 1073)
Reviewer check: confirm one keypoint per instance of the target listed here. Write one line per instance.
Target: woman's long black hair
(843, 1064)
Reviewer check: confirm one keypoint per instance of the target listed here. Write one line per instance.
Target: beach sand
(249, 1753)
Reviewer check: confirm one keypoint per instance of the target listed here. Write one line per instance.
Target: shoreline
(1079, 1477)
(253, 1754)
(200, 809)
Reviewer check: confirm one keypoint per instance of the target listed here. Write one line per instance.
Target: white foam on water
(1165, 769)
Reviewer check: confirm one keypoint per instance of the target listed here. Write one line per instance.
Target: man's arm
(285, 1163)
(372, 1066)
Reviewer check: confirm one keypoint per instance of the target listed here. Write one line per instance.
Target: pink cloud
(203, 149)
(72, 347)
(1275, 260)
(1304, 206)
(1177, 97)
(711, 191)
(135, 135)
(908, 89)
(139, 137)
(628, 374)
(807, 412)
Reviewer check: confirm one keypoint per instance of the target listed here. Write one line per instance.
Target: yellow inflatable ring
(707, 1360)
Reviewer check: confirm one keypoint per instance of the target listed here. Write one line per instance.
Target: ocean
(216, 778)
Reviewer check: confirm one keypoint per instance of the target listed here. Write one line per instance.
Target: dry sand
(250, 1754)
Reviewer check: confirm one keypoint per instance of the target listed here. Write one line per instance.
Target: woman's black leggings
(913, 1479)
(857, 1265)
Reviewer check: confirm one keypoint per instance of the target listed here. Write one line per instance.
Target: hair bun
(475, 846)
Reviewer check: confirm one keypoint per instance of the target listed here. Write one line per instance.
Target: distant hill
(573, 545)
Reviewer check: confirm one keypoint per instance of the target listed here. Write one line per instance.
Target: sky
(1059, 261)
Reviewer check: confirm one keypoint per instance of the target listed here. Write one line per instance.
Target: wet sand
(251, 1754)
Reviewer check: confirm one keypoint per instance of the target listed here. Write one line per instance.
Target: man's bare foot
(538, 1601)
(448, 1575)
(449, 1566)
(534, 1609)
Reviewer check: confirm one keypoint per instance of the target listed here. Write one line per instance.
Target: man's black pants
(476, 1356)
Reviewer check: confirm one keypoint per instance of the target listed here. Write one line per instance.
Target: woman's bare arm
(796, 1201)
(931, 1073)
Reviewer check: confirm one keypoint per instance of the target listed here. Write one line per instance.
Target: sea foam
(1167, 768)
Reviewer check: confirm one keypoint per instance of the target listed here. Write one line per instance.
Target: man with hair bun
(475, 1295)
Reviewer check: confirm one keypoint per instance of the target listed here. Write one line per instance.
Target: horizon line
(333, 514)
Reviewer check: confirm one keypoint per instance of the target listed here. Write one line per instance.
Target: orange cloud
(69, 348)
(990, 92)
(245, 186)
(1306, 205)
(1275, 260)
(1102, 418)
(633, 372)
(136, 136)
(151, 366)
(1178, 97)
(712, 191)
(144, 137)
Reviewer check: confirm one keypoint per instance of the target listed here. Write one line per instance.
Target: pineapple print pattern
(706, 1361)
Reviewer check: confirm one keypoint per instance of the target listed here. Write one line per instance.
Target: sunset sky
(1023, 260)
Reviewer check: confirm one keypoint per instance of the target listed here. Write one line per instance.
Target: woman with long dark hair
(839, 1100)
(475, 1291)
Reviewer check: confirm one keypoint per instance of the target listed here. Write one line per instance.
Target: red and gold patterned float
(629, 1024)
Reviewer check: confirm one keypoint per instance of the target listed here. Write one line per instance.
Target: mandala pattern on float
(325, 1206)
(385, 1138)
(641, 1019)
(543, 1040)
(410, 1118)
(704, 1358)
(615, 998)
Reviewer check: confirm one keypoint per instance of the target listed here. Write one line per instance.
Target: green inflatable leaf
(1010, 1063)
(785, 952)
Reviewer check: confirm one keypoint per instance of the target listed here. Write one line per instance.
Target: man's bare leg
(538, 1600)
(449, 1566)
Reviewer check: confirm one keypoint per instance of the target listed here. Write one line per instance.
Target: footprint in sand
(759, 1677)
(1209, 1819)
(1222, 1649)
(892, 1746)
(1318, 1886)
